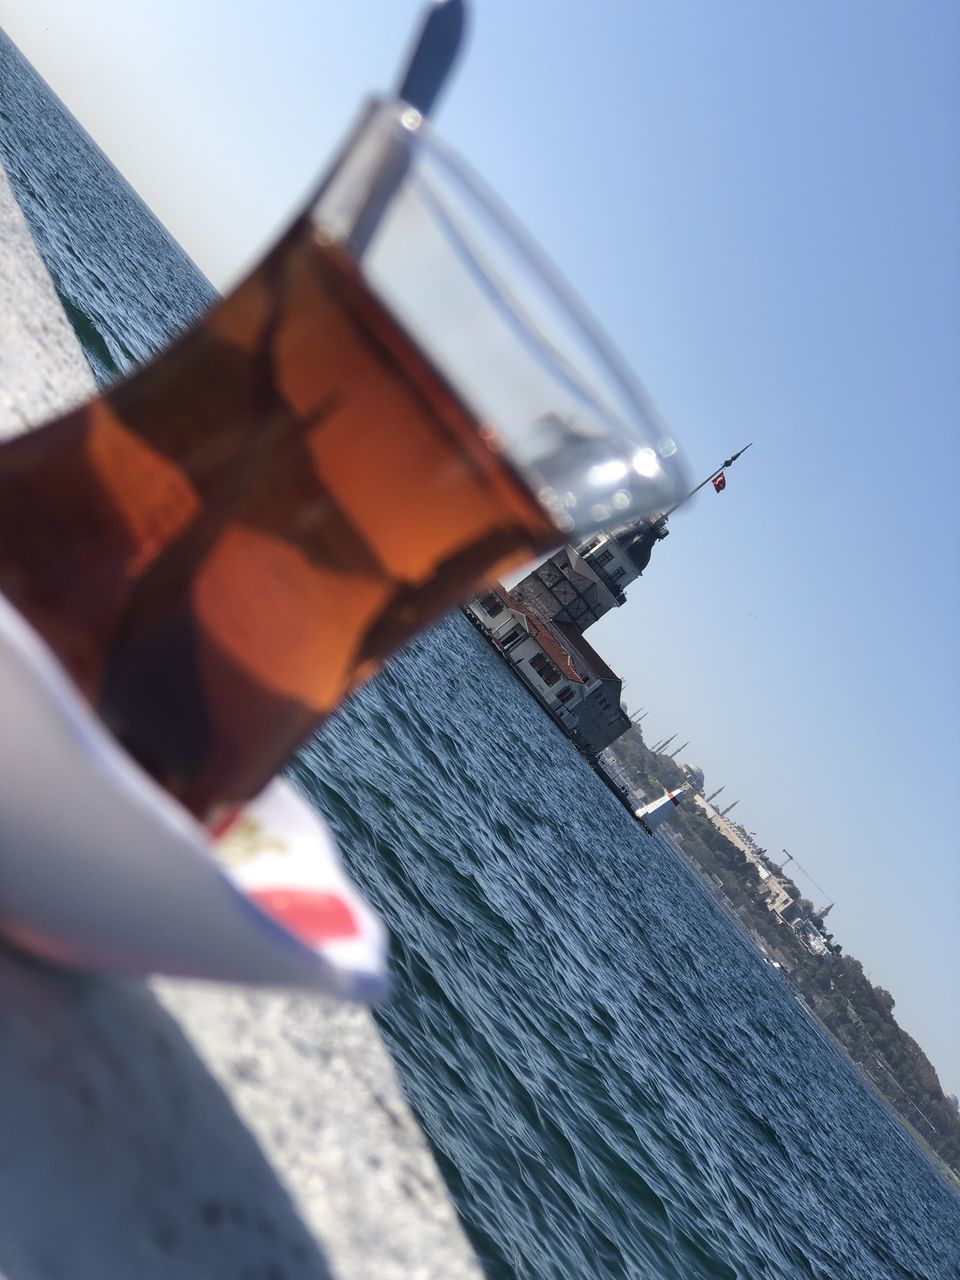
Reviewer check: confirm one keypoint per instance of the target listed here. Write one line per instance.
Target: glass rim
(633, 413)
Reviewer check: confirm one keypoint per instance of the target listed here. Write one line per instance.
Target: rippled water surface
(125, 285)
(614, 1081)
(614, 1084)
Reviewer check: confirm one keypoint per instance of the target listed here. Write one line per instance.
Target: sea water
(613, 1082)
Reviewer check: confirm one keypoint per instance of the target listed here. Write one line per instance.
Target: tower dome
(694, 775)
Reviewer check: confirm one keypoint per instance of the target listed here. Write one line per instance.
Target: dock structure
(657, 812)
(166, 1128)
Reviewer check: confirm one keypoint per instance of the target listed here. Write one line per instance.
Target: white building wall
(496, 624)
(617, 564)
(520, 655)
(520, 651)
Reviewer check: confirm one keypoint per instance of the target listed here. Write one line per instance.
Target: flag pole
(712, 476)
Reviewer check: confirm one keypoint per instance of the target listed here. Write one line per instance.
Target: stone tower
(578, 585)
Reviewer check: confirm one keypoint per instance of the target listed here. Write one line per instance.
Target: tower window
(545, 669)
(491, 604)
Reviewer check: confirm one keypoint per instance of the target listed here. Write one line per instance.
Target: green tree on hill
(858, 1014)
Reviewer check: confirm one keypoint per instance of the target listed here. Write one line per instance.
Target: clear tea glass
(398, 405)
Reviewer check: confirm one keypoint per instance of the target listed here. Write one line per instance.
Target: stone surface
(173, 1129)
(42, 367)
(314, 1085)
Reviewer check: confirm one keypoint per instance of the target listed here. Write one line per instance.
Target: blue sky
(761, 204)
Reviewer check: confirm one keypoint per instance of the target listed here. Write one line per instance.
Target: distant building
(538, 627)
(531, 650)
(776, 895)
(576, 586)
(811, 937)
(724, 827)
(694, 775)
(773, 892)
(600, 718)
(558, 665)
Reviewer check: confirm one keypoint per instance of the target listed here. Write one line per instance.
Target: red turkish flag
(719, 482)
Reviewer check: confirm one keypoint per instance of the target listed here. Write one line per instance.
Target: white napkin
(101, 869)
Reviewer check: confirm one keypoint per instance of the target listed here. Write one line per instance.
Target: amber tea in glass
(399, 404)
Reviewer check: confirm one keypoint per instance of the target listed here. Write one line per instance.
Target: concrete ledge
(183, 1130)
(42, 367)
(173, 1129)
